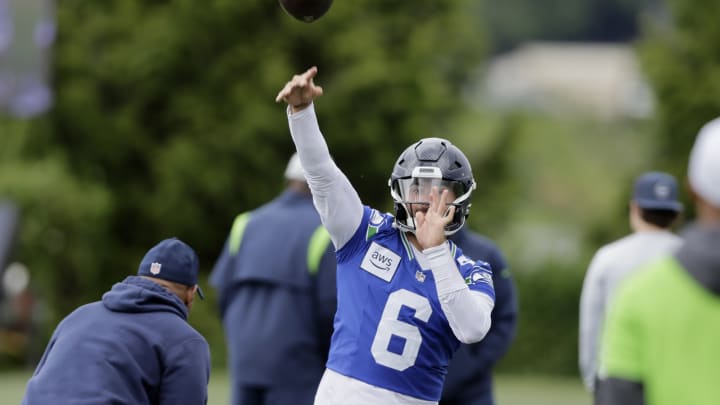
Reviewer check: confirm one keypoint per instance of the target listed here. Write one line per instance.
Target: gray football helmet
(430, 162)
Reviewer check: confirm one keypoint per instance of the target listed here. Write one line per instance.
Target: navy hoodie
(133, 347)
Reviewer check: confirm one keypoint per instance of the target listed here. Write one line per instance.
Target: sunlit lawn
(511, 390)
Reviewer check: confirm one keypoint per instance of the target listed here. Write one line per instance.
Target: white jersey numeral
(390, 326)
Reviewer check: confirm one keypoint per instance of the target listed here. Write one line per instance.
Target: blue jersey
(390, 330)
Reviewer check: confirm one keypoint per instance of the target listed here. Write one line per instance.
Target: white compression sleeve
(335, 199)
(467, 311)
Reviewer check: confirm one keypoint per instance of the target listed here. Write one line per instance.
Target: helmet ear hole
(400, 212)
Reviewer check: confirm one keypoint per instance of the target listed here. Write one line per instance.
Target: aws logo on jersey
(380, 261)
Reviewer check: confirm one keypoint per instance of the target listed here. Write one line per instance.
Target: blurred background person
(276, 283)
(9, 229)
(20, 311)
(653, 210)
(660, 346)
(469, 379)
(21, 318)
(134, 346)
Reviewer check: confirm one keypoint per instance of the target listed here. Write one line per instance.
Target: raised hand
(300, 91)
(430, 225)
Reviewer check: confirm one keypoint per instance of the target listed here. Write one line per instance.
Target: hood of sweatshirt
(137, 294)
(700, 256)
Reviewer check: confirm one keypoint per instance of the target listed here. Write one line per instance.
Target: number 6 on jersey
(390, 325)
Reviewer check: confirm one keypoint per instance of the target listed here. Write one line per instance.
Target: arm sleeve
(468, 312)
(592, 315)
(334, 197)
(187, 374)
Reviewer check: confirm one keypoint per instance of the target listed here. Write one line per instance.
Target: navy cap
(172, 260)
(657, 191)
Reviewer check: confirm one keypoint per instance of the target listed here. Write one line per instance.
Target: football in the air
(306, 10)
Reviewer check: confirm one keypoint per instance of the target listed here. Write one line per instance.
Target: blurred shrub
(63, 221)
(681, 57)
(547, 334)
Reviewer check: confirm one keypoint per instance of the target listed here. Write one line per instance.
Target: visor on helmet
(417, 189)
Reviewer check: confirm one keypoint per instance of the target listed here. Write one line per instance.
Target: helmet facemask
(412, 194)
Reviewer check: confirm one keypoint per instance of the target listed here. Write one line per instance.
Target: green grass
(511, 389)
(540, 390)
(12, 386)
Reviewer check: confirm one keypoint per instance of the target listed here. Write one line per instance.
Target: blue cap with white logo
(657, 191)
(172, 260)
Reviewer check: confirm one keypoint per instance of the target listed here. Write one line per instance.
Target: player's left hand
(430, 225)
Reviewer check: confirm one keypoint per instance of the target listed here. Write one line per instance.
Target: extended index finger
(298, 81)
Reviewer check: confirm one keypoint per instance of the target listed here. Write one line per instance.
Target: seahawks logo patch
(479, 276)
(376, 218)
(374, 224)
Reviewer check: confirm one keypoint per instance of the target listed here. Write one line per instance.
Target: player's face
(419, 190)
(416, 192)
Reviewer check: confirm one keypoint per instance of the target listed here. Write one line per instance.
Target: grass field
(511, 390)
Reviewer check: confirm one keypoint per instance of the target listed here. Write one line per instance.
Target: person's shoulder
(480, 239)
(621, 242)
(481, 247)
(617, 247)
(287, 199)
(288, 204)
(195, 335)
(184, 333)
(82, 311)
(465, 261)
(378, 222)
(648, 280)
(637, 244)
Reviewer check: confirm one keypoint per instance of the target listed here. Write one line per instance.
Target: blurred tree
(682, 60)
(64, 221)
(165, 121)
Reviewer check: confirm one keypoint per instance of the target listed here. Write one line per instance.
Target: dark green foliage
(682, 60)
(547, 332)
(165, 122)
(63, 222)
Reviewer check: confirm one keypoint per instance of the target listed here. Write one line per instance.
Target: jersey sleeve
(477, 274)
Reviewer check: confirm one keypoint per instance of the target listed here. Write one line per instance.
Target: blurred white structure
(601, 80)
(16, 279)
(27, 33)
